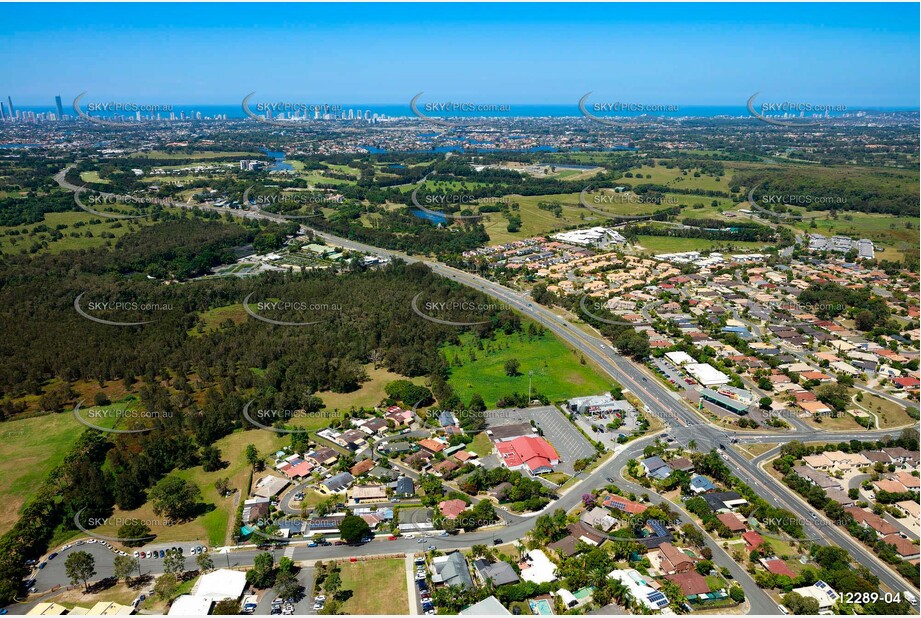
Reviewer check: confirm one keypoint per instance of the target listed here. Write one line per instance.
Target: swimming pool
(541, 607)
(583, 593)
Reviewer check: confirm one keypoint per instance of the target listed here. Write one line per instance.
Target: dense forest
(193, 378)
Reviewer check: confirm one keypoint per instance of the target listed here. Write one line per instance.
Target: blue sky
(688, 54)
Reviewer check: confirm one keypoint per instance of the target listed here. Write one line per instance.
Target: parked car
(52, 555)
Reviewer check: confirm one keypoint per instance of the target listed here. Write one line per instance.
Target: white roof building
(640, 589)
(679, 358)
(540, 569)
(821, 592)
(188, 605)
(221, 584)
(706, 374)
(490, 606)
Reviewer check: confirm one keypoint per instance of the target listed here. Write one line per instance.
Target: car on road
(497, 541)
(444, 533)
(432, 548)
(313, 544)
(52, 555)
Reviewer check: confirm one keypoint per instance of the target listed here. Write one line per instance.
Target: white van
(910, 597)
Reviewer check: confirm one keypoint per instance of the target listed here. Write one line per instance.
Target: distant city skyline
(855, 54)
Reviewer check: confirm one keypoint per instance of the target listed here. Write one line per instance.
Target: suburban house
(369, 493)
(499, 573)
(452, 508)
(337, 483)
(724, 501)
(672, 560)
(451, 570)
(625, 505)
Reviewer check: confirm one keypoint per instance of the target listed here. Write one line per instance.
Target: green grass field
(558, 373)
(378, 587)
(668, 244)
(674, 178)
(32, 447)
(92, 177)
(27, 237)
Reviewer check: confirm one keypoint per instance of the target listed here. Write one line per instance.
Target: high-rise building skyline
(9, 100)
(60, 106)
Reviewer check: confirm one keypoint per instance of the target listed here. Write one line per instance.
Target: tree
(204, 562)
(135, 533)
(801, 605)
(262, 575)
(226, 607)
(174, 562)
(124, 566)
(353, 529)
(174, 497)
(80, 566)
(211, 458)
(222, 486)
(165, 587)
(737, 594)
(765, 403)
(252, 455)
(511, 367)
(287, 586)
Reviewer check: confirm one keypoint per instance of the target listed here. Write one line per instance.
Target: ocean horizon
(398, 110)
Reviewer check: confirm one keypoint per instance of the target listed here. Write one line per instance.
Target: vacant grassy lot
(89, 235)
(32, 447)
(369, 395)
(668, 244)
(481, 445)
(378, 587)
(677, 179)
(558, 373)
(890, 414)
